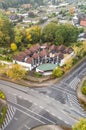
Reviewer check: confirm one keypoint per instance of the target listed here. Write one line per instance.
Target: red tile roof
(27, 52)
(61, 48)
(32, 49)
(60, 55)
(68, 50)
(35, 56)
(23, 54)
(29, 60)
(43, 53)
(19, 58)
(83, 23)
(52, 48)
(37, 46)
(46, 45)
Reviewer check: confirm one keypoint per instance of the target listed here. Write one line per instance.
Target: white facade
(27, 66)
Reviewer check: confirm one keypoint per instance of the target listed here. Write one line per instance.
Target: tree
(68, 64)
(81, 125)
(84, 46)
(71, 10)
(59, 39)
(13, 47)
(57, 72)
(83, 89)
(2, 68)
(19, 35)
(81, 50)
(6, 31)
(16, 72)
(67, 33)
(48, 33)
(33, 34)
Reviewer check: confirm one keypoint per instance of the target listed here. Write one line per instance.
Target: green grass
(38, 75)
(83, 89)
(4, 109)
(3, 115)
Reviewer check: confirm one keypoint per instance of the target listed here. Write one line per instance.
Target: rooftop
(47, 67)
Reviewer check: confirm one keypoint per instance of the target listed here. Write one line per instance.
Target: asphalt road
(55, 104)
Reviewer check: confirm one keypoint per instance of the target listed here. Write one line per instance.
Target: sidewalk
(48, 127)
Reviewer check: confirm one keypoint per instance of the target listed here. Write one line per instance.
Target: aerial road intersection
(55, 104)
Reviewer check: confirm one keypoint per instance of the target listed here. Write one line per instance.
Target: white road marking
(25, 99)
(27, 127)
(53, 114)
(20, 96)
(41, 107)
(15, 118)
(31, 116)
(35, 104)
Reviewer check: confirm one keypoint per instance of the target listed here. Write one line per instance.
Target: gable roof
(52, 48)
(35, 56)
(32, 49)
(27, 52)
(60, 55)
(19, 58)
(43, 53)
(68, 50)
(29, 60)
(61, 48)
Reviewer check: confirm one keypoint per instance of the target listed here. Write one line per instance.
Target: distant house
(28, 20)
(45, 54)
(75, 20)
(82, 37)
(14, 17)
(26, 6)
(12, 10)
(83, 22)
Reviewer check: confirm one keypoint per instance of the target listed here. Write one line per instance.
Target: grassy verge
(3, 107)
(83, 104)
(83, 89)
(66, 128)
(2, 95)
(3, 115)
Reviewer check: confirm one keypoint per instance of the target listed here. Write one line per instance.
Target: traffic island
(81, 97)
(3, 107)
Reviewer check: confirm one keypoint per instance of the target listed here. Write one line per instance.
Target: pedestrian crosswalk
(73, 84)
(78, 71)
(82, 73)
(75, 105)
(10, 110)
(10, 114)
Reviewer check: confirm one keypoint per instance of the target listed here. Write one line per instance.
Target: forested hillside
(14, 3)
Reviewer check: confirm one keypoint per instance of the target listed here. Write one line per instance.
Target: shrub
(13, 46)
(81, 125)
(2, 95)
(3, 114)
(38, 75)
(83, 90)
(16, 72)
(57, 72)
